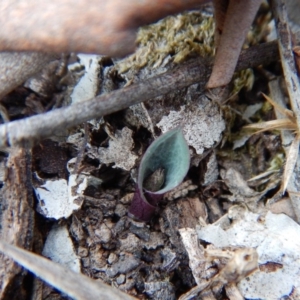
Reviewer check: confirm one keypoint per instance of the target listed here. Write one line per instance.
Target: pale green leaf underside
(171, 152)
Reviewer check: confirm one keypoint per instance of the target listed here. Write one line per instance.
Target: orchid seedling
(163, 167)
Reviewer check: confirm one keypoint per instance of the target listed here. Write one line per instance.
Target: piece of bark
(17, 220)
(191, 210)
(198, 263)
(193, 71)
(96, 26)
(16, 67)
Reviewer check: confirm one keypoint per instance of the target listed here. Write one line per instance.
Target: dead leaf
(119, 150)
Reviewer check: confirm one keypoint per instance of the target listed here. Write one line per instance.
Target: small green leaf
(167, 156)
(170, 152)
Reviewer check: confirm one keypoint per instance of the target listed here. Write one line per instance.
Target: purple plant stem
(142, 209)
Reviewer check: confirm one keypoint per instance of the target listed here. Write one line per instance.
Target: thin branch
(194, 71)
(239, 17)
(220, 8)
(75, 285)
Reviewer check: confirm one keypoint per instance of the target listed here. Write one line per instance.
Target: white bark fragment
(119, 150)
(197, 259)
(277, 241)
(202, 125)
(87, 87)
(59, 248)
(58, 199)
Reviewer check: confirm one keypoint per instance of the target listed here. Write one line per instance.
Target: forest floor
(204, 232)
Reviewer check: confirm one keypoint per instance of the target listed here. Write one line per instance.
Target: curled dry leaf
(288, 123)
(17, 67)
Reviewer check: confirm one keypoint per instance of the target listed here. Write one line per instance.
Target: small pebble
(127, 198)
(121, 210)
(112, 258)
(103, 233)
(86, 262)
(120, 279)
(82, 252)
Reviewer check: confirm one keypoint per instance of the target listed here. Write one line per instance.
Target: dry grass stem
(288, 123)
(287, 137)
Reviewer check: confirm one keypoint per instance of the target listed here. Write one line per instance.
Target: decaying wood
(17, 219)
(74, 285)
(96, 26)
(194, 71)
(15, 68)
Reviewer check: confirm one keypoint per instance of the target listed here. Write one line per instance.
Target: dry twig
(74, 285)
(232, 29)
